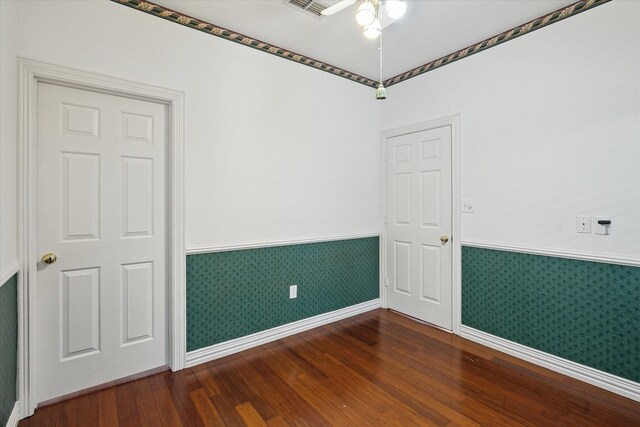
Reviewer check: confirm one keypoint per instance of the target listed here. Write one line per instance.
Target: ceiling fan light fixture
(395, 8)
(366, 14)
(373, 31)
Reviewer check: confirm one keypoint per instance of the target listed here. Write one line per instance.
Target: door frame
(29, 75)
(454, 122)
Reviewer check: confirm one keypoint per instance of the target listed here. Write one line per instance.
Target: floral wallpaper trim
(511, 34)
(536, 24)
(206, 27)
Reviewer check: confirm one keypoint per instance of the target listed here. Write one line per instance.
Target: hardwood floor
(375, 369)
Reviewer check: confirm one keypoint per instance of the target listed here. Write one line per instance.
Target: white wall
(550, 129)
(8, 137)
(274, 150)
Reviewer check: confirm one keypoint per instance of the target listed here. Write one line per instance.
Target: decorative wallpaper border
(206, 27)
(511, 34)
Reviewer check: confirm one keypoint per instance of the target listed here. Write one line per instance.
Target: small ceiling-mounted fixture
(366, 14)
(395, 8)
(373, 30)
(381, 92)
(370, 11)
(312, 7)
(370, 15)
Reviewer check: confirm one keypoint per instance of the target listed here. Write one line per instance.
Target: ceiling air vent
(313, 7)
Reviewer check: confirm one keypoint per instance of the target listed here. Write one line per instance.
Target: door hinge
(386, 282)
(385, 220)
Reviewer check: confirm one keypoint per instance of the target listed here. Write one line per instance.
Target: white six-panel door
(101, 312)
(419, 224)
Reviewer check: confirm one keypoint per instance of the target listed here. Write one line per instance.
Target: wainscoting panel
(583, 311)
(236, 293)
(8, 347)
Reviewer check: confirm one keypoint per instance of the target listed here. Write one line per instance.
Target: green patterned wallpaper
(8, 347)
(583, 311)
(237, 293)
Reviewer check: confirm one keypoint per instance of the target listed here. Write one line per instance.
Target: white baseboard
(226, 348)
(613, 383)
(14, 417)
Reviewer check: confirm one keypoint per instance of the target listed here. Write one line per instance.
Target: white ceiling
(430, 29)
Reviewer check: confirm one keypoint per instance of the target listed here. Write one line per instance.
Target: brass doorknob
(444, 239)
(49, 258)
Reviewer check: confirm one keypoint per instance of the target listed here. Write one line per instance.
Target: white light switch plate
(468, 206)
(293, 291)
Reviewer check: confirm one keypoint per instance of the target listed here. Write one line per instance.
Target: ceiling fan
(373, 15)
(343, 4)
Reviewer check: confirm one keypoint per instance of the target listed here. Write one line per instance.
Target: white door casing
(419, 220)
(31, 74)
(101, 209)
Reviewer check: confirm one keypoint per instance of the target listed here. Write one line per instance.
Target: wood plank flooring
(375, 369)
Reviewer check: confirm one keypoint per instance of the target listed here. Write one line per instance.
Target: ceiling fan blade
(337, 7)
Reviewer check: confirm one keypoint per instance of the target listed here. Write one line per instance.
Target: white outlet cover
(583, 224)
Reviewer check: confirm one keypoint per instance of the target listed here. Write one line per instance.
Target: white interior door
(419, 223)
(101, 309)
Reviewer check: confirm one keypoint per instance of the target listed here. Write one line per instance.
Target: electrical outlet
(293, 291)
(583, 224)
